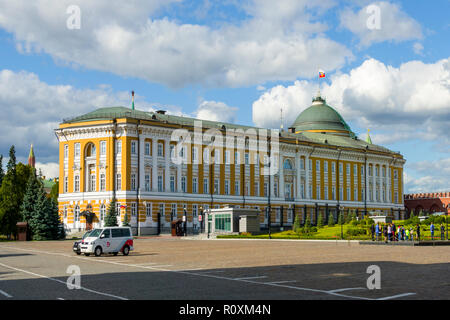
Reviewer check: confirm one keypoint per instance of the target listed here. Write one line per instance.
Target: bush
(354, 232)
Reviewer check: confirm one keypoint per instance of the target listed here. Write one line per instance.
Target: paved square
(176, 268)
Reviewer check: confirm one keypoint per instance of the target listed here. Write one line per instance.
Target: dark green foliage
(355, 231)
(2, 173)
(54, 193)
(320, 222)
(341, 219)
(126, 221)
(297, 223)
(331, 220)
(111, 216)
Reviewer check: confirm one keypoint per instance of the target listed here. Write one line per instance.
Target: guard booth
(233, 220)
(22, 230)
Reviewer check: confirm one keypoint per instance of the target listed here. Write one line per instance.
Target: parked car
(76, 244)
(108, 240)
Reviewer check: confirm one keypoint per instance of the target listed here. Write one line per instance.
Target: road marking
(345, 289)
(5, 294)
(397, 296)
(63, 282)
(205, 274)
(276, 282)
(60, 299)
(248, 278)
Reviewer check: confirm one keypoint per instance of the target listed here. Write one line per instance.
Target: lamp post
(341, 208)
(203, 219)
(185, 220)
(446, 220)
(269, 188)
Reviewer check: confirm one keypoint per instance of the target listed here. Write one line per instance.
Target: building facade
(158, 169)
(427, 202)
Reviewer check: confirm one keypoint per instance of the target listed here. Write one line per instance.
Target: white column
(374, 183)
(297, 167)
(366, 182)
(307, 176)
(155, 164)
(167, 165)
(141, 163)
(281, 180)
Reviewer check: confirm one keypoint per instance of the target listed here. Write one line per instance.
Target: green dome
(322, 118)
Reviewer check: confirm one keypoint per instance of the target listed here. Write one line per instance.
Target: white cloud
(397, 104)
(49, 170)
(32, 109)
(418, 48)
(278, 41)
(428, 176)
(380, 21)
(215, 111)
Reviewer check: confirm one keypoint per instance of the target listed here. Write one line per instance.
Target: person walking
(393, 232)
(442, 232)
(411, 232)
(407, 234)
(389, 231)
(432, 230)
(377, 231)
(385, 233)
(403, 233)
(418, 232)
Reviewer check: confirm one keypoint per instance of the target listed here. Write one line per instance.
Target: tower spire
(368, 140)
(31, 158)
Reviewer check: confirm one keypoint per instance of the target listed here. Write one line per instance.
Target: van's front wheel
(126, 250)
(98, 251)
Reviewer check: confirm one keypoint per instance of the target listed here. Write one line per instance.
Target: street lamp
(203, 219)
(185, 220)
(341, 208)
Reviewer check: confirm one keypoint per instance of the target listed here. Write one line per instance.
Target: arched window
(287, 164)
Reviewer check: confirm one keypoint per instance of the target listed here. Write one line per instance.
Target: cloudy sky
(387, 67)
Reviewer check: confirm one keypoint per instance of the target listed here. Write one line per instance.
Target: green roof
(320, 116)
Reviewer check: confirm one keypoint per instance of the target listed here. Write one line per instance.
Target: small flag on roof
(321, 73)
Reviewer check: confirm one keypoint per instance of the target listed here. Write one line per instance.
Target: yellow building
(318, 167)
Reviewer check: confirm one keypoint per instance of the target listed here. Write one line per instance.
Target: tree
(2, 173)
(54, 193)
(341, 218)
(111, 216)
(126, 221)
(297, 223)
(320, 221)
(10, 197)
(331, 220)
(30, 198)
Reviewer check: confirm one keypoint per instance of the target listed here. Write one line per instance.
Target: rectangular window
(355, 170)
(161, 210)
(148, 209)
(205, 186)
(133, 147)
(118, 181)
(341, 169)
(77, 150)
(102, 182)
(66, 152)
(183, 184)
(173, 211)
(103, 148)
(317, 166)
(194, 211)
(160, 150)
(257, 189)
(376, 171)
(66, 184)
(275, 189)
(302, 164)
(302, 190)
(216, 186)
(194, 154)
(119, 147)
(133, 181)
(227, 187)
(325, 193)
(318, 192)
(194, 185)
(246, 158)
(395, 174)
(77, 184)
(347, 169)
(310, 192)
(266, 189)
(133, 209)
(310, 164)
(172, 183)
(362, 171)
(227, 157)
(355, 194)
(147, 149)
(236, 188)
(237, 158)
(341, 193)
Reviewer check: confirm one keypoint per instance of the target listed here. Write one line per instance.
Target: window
(310, 164)
(194, 210)
(384, 172)
(65, 212)
(257, 189)
(119, 147)
(355, 170)
(194, 154)
(206, 155)
(287, 190)
(341, 193)
(395, 174)
(325, 192)
(236, 188)
(216, 186)
(102, 148)
(355, 194)
(102, 182)
(347, 196)
(362, 195)
(77, 184)
(133, 181)
(318, 192)
(160, 149)
(362, 171)
(173, 211)
(147, 182)
(172, 183)
(194, 185)
(102, 212)
(66, 152)
(325, 167)
(133, 209)
(265, 189)
(161, 209)
(246, 158)
(77, 213)
(66, 184)
(183, 183)
(376, 171)
(275, 189)
(370, 171)
(317, 166)
(237, 158)
(133, 147)
(227, 157)
(287, 164)
(77, 150)
(227, 187)
(160, 183)
(341, 169)
(147, 149)
(222, 222)
(310, 192)
(302, 164)
(347, 169)
(205, 186)
(118, 181)
(302, 190)
(148, 209)
(395, 197)
(92, 183)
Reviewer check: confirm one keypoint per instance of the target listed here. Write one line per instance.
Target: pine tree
(2, 173)
(320, 221)
(297, 223)
(30, 198)
(10, 198)
(331, 220)
(111, 216)
(126, 221)
(40, 225)
(341, 219)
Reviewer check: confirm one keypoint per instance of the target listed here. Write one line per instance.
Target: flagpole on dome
(132, 100)
(321, 75)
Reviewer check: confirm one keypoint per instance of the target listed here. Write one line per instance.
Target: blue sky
(237, 61)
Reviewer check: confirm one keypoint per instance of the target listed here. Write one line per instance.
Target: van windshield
(95, 233)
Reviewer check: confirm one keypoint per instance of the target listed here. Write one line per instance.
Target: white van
(108, 240)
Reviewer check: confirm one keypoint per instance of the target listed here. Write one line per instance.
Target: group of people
(391, 232)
